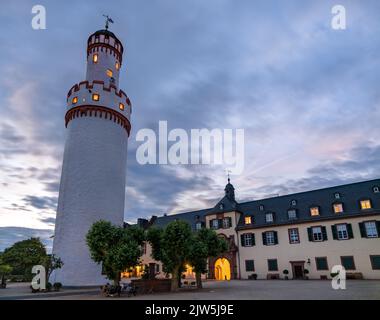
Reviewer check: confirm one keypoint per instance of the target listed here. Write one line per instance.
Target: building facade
(297, 236)
(94, 163)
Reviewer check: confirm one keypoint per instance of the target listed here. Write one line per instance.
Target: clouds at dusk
(307, 97)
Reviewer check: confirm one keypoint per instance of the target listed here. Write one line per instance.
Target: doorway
(298, 269)
(222, 269)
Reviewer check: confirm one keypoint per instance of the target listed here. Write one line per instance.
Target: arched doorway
(222, 269)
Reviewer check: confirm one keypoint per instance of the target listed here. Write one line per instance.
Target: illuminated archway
(222, 269)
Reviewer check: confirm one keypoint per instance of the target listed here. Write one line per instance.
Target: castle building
(298, 236)
(94, 163)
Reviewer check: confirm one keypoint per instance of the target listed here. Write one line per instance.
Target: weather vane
(108, 19)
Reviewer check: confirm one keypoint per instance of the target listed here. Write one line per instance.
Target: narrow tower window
(95, 58)
(75, 100)
(109, 73)
(117, 65)
(121, 106)
(95, 97)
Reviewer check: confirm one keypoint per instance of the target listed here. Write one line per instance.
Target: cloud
(306, 96)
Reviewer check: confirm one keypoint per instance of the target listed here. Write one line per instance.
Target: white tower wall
(94, 165)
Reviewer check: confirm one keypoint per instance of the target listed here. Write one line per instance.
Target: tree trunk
(174, 282)
(198, 278)
(116, 281)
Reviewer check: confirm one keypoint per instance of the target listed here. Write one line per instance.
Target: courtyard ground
(229, 290)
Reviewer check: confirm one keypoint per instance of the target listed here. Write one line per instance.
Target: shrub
(57, 286)
(48, 286)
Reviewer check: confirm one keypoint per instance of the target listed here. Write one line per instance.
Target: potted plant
(252, 276)
(57, 286)
(306, 272)
(286, 272)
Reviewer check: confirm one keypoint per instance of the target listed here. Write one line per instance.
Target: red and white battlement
(101, 87)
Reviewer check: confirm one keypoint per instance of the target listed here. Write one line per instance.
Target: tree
(23, 255)
(171, 246)
(206, 243)
(4, 270)
(116, 248)
(52, 262)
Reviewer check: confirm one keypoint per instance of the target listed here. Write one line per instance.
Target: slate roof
(350, 196)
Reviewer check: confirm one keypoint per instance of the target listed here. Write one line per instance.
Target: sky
(306, 95)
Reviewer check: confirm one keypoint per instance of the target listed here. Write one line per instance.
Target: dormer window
(337, 195)
(198, 225)
(95, 58)
(261, 207)
(269, 217)
(314, 211)
(294, 202)
(221, 206)
(292, 214)
(365, 204)
(248, 220)
(376, 189)
(338, 207)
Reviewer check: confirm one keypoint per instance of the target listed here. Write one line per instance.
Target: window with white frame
(294, 235)
(248, 240)
(314, 211)
(198, 226)
(338, 207)
(342, 231)
(292, 214)
(215, 224)
(269, 217)
(226, 223)
(370, 229)
(317, 233)
(269, 235)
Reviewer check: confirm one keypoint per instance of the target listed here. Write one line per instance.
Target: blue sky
(306, 95)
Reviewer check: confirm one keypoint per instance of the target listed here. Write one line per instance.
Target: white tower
(94, 162)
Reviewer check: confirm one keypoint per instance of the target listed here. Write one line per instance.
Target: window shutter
(363, 232)
(310, 234)
(242, 240)
(324, 233)
(334, 232)
(229, 222)
(264, 239)
(275, 237)
(349, 231)
(378, 228)
(253, 239)
(211, 223)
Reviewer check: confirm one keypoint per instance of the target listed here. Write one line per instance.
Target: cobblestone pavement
(218, 290)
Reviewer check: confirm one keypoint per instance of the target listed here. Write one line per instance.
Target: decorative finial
(108, 19)
(228, 175)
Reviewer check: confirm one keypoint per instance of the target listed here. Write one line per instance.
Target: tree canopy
(116, 248)
(176, 244)
(23, 255)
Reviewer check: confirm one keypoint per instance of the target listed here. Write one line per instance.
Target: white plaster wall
(92, 188)
(97, 71)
